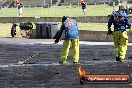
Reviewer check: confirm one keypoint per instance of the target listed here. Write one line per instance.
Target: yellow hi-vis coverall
(120, 20)
(120, 44)
(69, 26)
(75, 50)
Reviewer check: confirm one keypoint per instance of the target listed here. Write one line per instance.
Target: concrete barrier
(100, 36)
(94, 36)
(92, 19)
(97, 36)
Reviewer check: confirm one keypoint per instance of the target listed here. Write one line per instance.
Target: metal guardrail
(55, 11)
(50, 10)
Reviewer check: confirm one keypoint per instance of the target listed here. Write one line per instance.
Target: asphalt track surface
(44, 71)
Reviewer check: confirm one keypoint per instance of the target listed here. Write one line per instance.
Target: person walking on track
(69, 26)
(121, 22)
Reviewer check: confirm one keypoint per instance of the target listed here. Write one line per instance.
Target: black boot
(121, 60)
(117, 59)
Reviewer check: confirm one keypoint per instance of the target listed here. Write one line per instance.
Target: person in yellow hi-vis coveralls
(120, 20)
(71, 36)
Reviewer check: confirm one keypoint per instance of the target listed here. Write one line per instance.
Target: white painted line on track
(23, 41)
(27, 65)
(60, 43)
(56, 63)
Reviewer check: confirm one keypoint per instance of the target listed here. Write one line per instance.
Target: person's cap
(64, 18)
(15, 24)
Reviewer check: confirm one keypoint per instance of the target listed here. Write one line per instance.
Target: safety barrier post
(62, 10)
(78, 14)
(95, 9)
(70, 10)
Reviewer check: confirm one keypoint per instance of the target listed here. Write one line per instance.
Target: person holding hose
(69, 26)
(121, 22)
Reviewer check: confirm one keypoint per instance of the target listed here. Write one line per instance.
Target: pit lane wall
(100, 36)
(96, 36)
